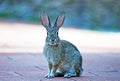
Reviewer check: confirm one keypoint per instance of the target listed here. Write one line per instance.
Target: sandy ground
(21, 37)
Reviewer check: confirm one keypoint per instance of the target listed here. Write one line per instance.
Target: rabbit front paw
(49, 75)
(46, 75)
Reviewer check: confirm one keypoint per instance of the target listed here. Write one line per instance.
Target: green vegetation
(100, 15)
(4, 15)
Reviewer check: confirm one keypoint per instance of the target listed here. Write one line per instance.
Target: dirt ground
(21, 57)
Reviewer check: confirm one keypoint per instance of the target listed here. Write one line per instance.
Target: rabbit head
(52, 31)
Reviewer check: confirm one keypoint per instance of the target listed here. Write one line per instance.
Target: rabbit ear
(60, 19)
(45, 21)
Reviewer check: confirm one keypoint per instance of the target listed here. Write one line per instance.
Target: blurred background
(95, 22)
(93, 26)
(100, 15)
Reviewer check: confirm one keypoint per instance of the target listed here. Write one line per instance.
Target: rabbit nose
(52, 40)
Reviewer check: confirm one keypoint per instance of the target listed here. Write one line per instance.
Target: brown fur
(62, 56)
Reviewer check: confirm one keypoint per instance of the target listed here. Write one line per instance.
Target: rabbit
(63, 58)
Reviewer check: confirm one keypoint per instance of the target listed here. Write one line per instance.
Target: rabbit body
(62, 56)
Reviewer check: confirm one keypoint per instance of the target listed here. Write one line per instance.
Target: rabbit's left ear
(60, 19)
(45, 21)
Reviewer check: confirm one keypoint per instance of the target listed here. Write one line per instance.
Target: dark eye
(57, 33)
(47, 33)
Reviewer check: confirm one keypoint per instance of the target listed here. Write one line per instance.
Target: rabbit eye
(47, 33)
(57, 33)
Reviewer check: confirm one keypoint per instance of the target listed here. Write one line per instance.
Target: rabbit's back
(70, 52)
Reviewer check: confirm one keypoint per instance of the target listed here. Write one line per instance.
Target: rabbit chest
(53, 54)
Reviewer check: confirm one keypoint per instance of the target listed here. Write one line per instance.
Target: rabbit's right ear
(60, 19)
(45, 21)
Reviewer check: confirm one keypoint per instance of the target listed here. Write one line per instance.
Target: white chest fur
(52, 54)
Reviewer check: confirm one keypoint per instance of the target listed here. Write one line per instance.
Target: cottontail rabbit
(63, 57)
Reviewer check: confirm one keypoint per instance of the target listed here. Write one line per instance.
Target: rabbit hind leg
(71, 73)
